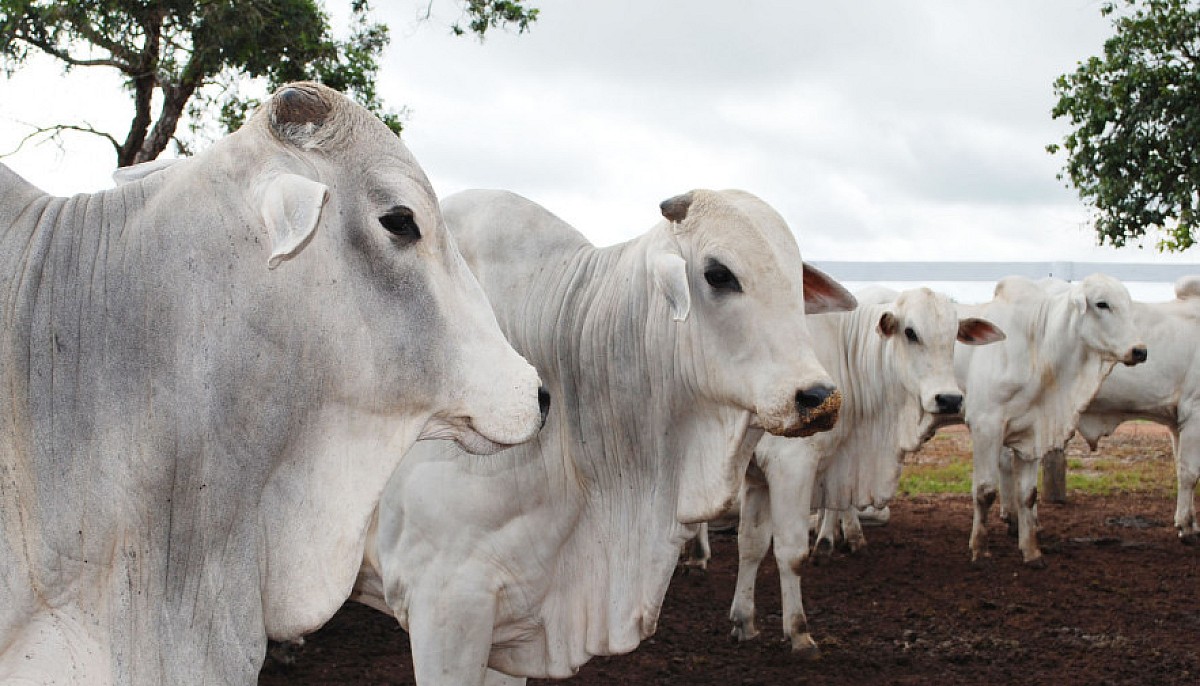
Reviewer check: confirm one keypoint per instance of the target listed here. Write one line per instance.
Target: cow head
(733, 269)
(1105, 313)
(353, 223)
(920, 328)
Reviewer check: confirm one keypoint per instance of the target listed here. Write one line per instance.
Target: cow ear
(888, 324)
(1078, 299)
(670, 275)
(975, 331)
(291, 209)
(823, 294)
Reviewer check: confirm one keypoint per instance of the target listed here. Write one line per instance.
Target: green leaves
(214, 58)
(1134, 153)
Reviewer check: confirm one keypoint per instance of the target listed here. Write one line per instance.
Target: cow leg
(985, 479)
(852, 530)
(451, 641)
(789, 525)
(1008, 491)
(828, 532)
(754, 537)
(495, 678)
(1027, 494)
(1186, 442)
(697, 552)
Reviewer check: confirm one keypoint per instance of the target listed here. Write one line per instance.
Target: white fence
(973, 281)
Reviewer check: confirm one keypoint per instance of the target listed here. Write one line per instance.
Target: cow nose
(1138, 354)
(543, 403)
(814, 397)
(948, 403)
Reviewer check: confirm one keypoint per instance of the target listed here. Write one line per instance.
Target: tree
(196, 55)
(1134, 151)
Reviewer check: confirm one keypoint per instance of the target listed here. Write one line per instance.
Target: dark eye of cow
(911, 335)
(1102, 305)
(720, 278)
(399, 222)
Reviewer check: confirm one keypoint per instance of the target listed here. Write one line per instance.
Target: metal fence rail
(994, 271)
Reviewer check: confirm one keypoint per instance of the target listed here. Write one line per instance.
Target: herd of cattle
(217, 372)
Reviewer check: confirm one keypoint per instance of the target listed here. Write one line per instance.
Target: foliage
(199, 54)
(1134, 151)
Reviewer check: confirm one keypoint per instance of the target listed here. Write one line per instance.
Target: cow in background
(1165, 389)
(894, 363)
(1027, 392)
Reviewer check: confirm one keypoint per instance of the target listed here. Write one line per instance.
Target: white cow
(668, 356)
(1027, 393)
(894, 364)
(210, 372)
(1166, 389)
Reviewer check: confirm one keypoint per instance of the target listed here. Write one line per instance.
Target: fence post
(1054, 476)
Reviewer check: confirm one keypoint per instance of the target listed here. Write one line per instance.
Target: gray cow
(209, 374)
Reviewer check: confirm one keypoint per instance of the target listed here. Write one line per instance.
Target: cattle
(894, 364)
(210, 372)
(1164, 389)
(1027, 392)
(668, 356)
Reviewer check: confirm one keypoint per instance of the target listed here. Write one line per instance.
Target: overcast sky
(880, 130)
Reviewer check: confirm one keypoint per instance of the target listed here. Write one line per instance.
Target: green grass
(954, 477)
(1098, 476)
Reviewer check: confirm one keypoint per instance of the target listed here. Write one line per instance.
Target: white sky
(880, 130)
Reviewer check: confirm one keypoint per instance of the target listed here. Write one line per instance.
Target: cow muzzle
(947, 403)
(1136, 355)
(818, 409)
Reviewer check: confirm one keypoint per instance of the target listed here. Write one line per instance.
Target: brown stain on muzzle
(823, 417)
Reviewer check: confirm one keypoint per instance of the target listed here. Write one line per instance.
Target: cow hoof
(742, 633)
(1038, 562)
(1191, 538)
(805, 648)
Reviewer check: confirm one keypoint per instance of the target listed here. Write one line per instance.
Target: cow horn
(297, 107)
(675, 209)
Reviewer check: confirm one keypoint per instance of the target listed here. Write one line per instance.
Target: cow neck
(872, 432)
(1065, 374)
(613, 363)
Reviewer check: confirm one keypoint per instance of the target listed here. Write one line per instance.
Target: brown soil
(1117, 605)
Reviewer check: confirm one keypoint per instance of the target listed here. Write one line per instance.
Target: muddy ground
(1116, 605)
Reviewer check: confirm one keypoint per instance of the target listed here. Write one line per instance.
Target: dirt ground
(1117, 605)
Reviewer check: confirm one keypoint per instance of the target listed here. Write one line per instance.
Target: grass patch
(1106, 476)
(1092, 476)
(951, 477)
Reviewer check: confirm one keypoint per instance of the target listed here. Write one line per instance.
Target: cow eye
(911, 335)
(399, 222)
(720, 278)
(1102, 305)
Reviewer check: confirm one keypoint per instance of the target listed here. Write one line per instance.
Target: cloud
(878, 129)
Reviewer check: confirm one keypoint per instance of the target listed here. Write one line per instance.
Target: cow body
(1165, 389)
(664, 377)
(895, 365)
(193, 442)
(1027, 393)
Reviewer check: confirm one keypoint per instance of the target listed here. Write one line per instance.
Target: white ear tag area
(670, 275)
(291, 208)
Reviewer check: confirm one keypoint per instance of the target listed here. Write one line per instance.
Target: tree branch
(75, 61)
(56, 131)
